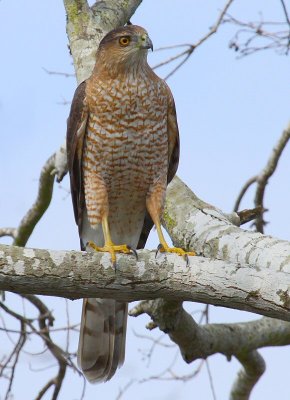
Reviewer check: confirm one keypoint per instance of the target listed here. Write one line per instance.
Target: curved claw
(159, 247)
(115, 266)
(175, 250)
(133, 251)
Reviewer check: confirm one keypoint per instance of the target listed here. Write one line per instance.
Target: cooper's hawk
(123, 150)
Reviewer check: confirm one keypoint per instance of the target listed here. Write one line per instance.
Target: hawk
(123, 150)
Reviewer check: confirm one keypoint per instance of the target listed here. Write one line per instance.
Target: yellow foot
(177, 250)
(113, 249)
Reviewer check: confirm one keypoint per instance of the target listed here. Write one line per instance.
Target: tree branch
(250, 270)
(8, 232)
(255, 36)
(185, 55)
(243, 191)
(253, 368)
(201, 341)
(194, 224)
(266, 174)
(54, 166)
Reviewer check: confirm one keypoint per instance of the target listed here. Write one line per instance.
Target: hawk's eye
(124, 40)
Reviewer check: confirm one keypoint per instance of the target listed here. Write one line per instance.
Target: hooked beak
(146, 43)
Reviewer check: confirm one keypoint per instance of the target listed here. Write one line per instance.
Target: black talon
(158, 248)
(115, 266)
(133, 251)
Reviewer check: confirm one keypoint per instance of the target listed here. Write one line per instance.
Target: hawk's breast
(127, 140)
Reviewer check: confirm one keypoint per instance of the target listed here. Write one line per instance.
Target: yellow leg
(163, 247)
(109, 246)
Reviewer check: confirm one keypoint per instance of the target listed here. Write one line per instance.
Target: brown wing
(76, 130)
(173, 138)
(173, 160)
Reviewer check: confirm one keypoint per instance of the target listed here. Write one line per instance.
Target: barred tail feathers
(102, 338)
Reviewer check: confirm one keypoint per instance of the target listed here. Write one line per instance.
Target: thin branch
(45, 320)
(243, 191)
(215, 27)
(257, 36)
(190, 51)
(265, 175)
(191, 47)
(45, 388)
(169, 375)
(125, 388)
(288, 22)
(68, 324)
(63, 74)
(285, 12)
(210, 380)
(8, 232)
(54, 166)
(15, 356)
(249, 215)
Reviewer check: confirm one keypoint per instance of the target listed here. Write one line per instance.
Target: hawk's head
(126, 46)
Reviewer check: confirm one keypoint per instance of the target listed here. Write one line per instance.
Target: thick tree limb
(201, 341)
(250, 271)
(194, 224)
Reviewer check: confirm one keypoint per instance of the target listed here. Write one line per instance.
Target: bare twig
(63, 74)
(252, 37)
(68, 324)
(288, 22)
(156, 342)
(210, 380)
(191, 47)
(15, 355)
(266, 174)
(124, 389)
(45, 320)
(243, 191)
(41, 204)
(215, 27)
(285, 11)
(45, 388)
(12, 360)
(8, 232)
(251, 214)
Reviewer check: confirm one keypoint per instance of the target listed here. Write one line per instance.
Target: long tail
(102, 338)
